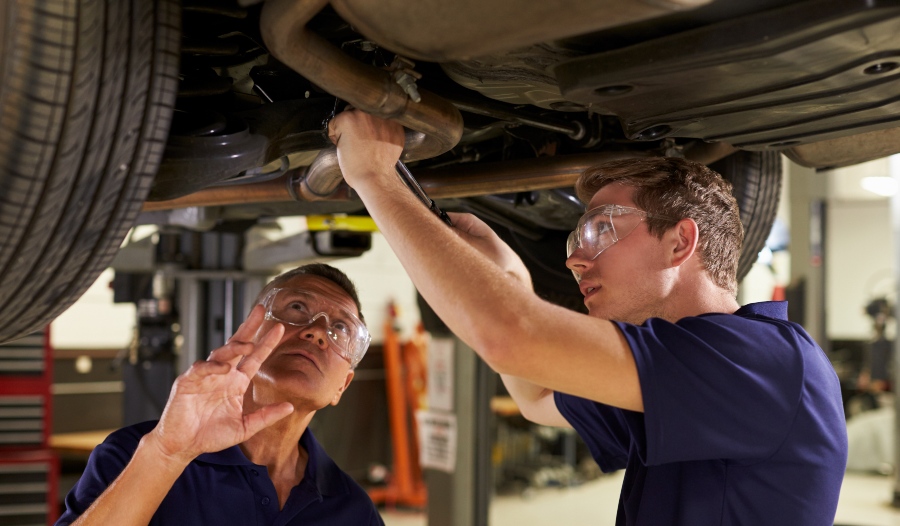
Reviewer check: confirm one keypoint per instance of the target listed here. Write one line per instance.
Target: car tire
(86, 99)
(755, 178)
(756, 185)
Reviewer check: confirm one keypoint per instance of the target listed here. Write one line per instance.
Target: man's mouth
(297, 353)
(587, 290)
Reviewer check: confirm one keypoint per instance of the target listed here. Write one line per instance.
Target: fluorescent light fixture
(885, 186)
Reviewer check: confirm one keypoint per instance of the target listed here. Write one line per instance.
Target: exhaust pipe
(373, 90)
(464, 180)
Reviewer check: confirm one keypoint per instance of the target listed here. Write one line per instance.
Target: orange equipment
(405, 485)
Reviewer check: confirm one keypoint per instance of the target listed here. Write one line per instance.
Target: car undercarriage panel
(799, 74)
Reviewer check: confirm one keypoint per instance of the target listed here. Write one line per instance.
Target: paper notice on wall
(440, 374)
(437, 440)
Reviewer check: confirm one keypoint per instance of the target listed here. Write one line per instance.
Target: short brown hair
(323, 271)
(679, 189)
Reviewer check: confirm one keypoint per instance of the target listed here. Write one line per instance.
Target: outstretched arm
(204, 414)
(534, 401)
(513, 330)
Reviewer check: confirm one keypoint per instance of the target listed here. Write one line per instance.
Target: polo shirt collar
(320, 469)
(769, 309)
(232, 456)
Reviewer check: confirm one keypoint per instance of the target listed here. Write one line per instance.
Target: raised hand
(205, 408)
(480, 236)
(367, 145)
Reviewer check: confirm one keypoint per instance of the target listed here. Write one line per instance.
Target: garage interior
(468, 458)
(205, 118)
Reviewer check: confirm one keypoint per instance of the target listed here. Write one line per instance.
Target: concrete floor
(865, 501)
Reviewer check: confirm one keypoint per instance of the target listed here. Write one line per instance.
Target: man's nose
(316, 331)
(578, 263)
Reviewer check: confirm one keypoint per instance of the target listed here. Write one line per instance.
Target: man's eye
(341, 327)
(298, 306)
(600, 227)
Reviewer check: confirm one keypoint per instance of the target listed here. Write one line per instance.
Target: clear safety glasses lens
(602, 227)
(347, 334)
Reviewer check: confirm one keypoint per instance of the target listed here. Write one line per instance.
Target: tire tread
(85, 152)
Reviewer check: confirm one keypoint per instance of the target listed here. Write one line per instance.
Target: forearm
(523, 391)
(137, 492)
(535, 402)
(483, 294)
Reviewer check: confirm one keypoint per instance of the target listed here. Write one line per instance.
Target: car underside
(120, 112)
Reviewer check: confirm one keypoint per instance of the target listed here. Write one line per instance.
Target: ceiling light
(886, 186)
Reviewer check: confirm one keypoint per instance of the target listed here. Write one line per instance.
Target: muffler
(370, 89)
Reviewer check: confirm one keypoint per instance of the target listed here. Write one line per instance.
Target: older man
(233, 444)
(720, 414)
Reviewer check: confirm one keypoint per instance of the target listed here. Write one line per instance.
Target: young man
(232, 445)
(720, 414)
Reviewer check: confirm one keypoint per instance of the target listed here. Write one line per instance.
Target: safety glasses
(347, 334)
(603, 227)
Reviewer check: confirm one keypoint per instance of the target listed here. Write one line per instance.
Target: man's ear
(337, 396)
(685, 237)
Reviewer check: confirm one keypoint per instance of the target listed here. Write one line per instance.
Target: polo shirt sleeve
(602, 428)
(104, 465)
(375, 518)
(714, 387)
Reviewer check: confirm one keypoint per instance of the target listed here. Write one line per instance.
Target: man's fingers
(207, 368)
(365, 126)
(236, 348)
(263, 418)
(232, 352)
(248, 329)
(462, 223)
(261, 350)
(469, 224)
(333, 133)
(246, 356)
(457, 216)
(241, 343)
(336, 125)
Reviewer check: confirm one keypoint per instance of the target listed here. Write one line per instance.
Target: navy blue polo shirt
(742, 424)
(226, 488)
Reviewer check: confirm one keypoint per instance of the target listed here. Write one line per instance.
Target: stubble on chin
(636, 315)
(605, 314)
(623, 318)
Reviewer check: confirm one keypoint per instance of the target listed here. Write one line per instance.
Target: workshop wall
(860, 267)
(94, 321)
(859, 250)
(380, 280)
